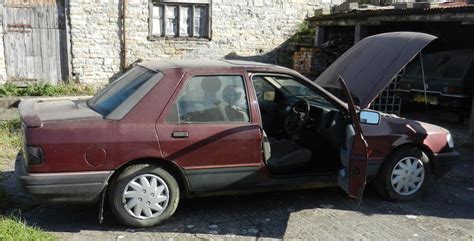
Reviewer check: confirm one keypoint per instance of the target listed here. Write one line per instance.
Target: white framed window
(180, 19)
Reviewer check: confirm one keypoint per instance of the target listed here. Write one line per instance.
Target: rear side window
(127, 90)
(211, 99)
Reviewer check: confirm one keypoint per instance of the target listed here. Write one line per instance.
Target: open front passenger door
(353, 153)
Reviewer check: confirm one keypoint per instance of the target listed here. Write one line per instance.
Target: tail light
(34, 155)
(452, 90)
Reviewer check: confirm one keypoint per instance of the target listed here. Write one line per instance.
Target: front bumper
(445, 162)
(64, 187)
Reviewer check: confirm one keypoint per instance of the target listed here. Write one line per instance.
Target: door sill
(307, 174)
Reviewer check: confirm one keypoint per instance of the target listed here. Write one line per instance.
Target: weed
(45, 89)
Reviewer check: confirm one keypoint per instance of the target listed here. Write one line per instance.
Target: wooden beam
(319, 36)
(471, 121)
(463, 17)
(360, 32)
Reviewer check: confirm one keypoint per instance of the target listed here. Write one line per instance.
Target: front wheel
(404, 175)
(143, 196)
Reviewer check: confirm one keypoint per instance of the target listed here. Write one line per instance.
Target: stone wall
(249, 29)
(95, 43)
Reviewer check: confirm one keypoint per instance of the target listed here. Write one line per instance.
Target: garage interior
(454, 27)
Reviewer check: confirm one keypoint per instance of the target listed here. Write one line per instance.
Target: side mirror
(369, 117)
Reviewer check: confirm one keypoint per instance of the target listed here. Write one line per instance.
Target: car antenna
(424, 81)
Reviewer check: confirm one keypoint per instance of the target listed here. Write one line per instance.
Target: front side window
(287, 84)
(264, 90)
(180, 19)
(289, 87)
(211, 99)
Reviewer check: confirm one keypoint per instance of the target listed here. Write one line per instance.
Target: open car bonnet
(371, 64)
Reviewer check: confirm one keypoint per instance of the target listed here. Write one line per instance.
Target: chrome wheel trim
(145, 196)
(407, 176)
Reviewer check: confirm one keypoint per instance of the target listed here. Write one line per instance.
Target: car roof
(457, 52)
(162, 64)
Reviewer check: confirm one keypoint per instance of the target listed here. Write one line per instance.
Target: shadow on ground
(267, 214)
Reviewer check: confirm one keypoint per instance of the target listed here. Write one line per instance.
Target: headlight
(450, 140)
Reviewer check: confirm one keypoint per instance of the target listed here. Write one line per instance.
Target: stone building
(98, 38)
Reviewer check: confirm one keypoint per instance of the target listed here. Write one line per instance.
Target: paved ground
(444, 213)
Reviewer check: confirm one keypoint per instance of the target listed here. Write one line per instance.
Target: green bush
(45, 89)
(304, 35)
(8, 89)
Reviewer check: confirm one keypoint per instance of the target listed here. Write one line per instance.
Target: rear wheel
(143, 196)
(404, 175)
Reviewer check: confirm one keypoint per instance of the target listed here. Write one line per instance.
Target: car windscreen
(440, 66)
(117, 92)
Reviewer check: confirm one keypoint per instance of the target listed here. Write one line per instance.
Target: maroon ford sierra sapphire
(165, 130)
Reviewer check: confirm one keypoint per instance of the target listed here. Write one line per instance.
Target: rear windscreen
(117, 92)
(440, 66)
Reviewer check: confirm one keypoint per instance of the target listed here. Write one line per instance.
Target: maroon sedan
(166, 130)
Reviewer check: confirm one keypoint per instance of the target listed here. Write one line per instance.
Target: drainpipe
(124, 36)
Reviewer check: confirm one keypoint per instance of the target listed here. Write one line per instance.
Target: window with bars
(180, 18)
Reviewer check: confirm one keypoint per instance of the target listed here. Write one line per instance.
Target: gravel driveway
(447, 212)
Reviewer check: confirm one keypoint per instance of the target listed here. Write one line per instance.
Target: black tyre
(404, 175)
(143, 195)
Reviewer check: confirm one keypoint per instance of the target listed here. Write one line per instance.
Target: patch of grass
(45, 89)
(11, 144)
(10, 139)
(15, 229)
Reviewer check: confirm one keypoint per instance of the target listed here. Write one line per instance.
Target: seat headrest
(211, 84)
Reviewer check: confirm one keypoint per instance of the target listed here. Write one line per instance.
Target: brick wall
(310, 61)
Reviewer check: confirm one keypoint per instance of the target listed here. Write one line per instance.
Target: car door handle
(180, 134)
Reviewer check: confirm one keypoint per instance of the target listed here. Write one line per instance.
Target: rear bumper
(458, 101)
(64, 187)
(445, 162)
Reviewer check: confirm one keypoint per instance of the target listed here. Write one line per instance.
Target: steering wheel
(297, 117)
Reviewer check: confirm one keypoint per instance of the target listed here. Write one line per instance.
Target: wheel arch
(382, 182)
(422, 147)
(167, 165)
